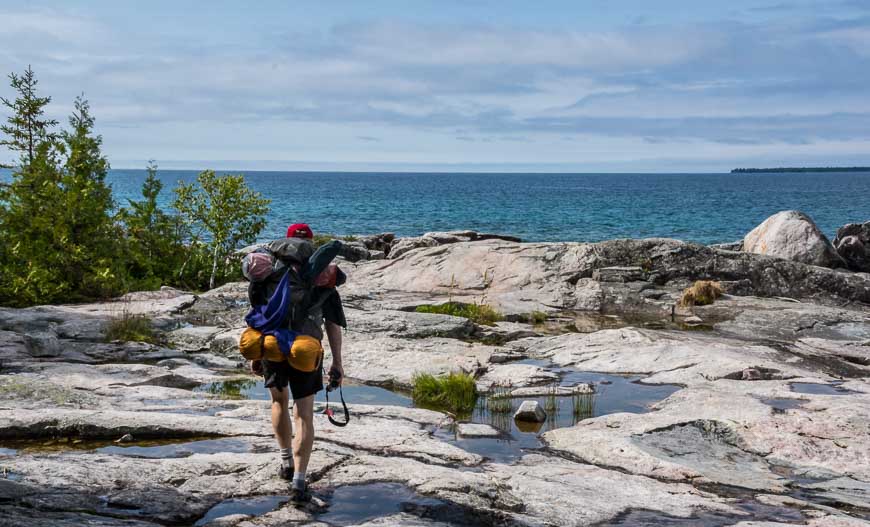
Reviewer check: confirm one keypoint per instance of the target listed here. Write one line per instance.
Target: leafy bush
(478, 313)
(454, 392)
(128, 327)
(221, 212)
(701, 293)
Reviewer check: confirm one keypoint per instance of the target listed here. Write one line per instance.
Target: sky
(477, 85)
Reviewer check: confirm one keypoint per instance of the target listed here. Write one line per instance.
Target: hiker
(309, 311)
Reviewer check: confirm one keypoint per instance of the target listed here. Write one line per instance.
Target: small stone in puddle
(693, 320)
(126, 438)
(476, 430)
(530, 411)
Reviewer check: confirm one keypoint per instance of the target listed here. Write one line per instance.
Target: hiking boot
(302, 495)
(285, 472)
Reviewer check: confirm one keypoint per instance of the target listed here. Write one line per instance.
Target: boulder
(530, 411)
(378, 242)
(792, 235)
(853, 245)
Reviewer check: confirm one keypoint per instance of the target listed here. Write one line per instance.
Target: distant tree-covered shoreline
(798, 169)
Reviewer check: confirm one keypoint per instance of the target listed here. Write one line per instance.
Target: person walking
(320, 313)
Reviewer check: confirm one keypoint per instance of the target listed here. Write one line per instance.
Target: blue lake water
(706, 208)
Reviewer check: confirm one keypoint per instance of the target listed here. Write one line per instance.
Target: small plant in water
(551, 403)
(129, 327)
(701, 293)
(454, 392)
(499, 400)
(582, 405)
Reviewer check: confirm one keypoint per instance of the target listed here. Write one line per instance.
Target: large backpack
(288, 261)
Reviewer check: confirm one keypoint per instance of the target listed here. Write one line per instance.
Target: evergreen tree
(90, 240)
(25, 128)
(155, 250)
(60, 242)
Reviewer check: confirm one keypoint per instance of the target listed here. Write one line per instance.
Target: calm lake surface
(706, 208)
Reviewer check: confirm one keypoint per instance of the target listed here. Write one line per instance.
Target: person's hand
(337, 368)
(256, 367)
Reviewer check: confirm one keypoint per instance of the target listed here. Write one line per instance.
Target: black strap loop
(329, 412)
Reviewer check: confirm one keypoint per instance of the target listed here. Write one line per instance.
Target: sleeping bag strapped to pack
(271, 323)
(305, 352)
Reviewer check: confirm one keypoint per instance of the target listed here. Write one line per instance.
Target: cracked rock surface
(767, 421)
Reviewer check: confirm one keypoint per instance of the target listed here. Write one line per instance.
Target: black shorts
(302, 383)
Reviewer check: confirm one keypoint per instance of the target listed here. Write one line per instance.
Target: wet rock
(476, 430)
(792, 235)
(126, 438)
(853, 245)
(530, 412)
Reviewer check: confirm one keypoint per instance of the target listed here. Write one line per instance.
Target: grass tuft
(454, 392)
(128, 327)
(500, 400)
(478, 313)
(701, 293)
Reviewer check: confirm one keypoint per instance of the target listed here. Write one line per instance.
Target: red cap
(299, 230)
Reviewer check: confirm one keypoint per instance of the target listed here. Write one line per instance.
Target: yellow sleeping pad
(304, 353)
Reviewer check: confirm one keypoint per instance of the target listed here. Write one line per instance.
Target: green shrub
(478, 313)
(454, 392)
(128, 327)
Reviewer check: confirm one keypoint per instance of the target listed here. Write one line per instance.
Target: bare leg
(303, 412)
(281, 416)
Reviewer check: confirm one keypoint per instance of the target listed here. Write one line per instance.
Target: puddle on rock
(353, 393)
(255, 506)
(206, 446)
(780, 405)
(590, 322)
(755, 511)
(163, 448)
(8, 452)
(355, 504)
(819, 388)
(614, 393)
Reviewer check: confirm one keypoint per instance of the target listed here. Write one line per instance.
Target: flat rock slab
(515, 375)
(108, 424)
(394, 361)
(477, 430)
(405, 324)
